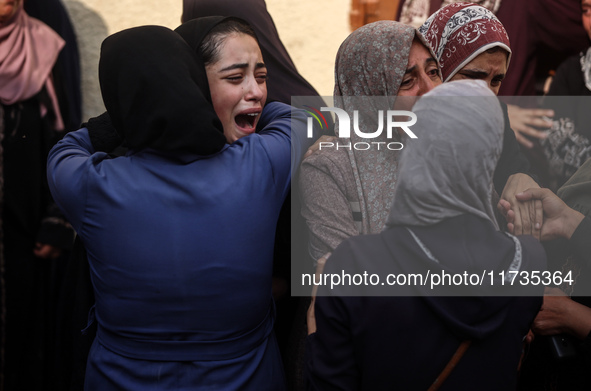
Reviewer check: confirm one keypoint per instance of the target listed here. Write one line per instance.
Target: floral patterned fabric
(415, 12)
(566, 150)
(459, 32)
(370, 64)
(349, 192)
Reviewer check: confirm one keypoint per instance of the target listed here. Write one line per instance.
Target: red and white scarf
(459, 32)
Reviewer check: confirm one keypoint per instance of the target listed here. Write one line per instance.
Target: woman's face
(237, 82)
(7, 9)
(420, 77)
(490, 67)
(586, 13)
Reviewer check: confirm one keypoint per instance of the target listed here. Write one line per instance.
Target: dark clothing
(512, 160)
(160, 123)
(67, 75)
(147, 335)
(569, 80)
(568, 145)
(28, 216)
(580, 242)
(542, 33)
(385, 343)
(541, 370)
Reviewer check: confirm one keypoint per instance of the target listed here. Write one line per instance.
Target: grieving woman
(179, 231)
(349, 192)
(441, 219)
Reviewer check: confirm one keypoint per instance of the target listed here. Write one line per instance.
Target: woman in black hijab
(179, 231)
(285, 80)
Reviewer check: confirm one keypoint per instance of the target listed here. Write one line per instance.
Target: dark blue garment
(180, 251)
(403, 343)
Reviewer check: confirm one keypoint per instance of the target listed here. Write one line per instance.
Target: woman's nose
(427, 84)
(256, 90)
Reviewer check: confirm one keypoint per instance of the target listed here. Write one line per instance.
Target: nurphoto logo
(395, 119)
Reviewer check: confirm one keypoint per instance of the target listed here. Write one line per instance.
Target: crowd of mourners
(160, 245)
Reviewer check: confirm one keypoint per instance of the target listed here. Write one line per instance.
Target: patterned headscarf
(447, 171)
(415, 12)
(371, 62)
(459, 32)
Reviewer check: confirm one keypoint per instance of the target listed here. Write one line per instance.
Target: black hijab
(284, 79)
(194, 33)
(155, 89)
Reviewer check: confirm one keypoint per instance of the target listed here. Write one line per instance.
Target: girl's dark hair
(210, 46)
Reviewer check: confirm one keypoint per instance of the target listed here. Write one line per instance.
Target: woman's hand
(561, 315)
(523, 217)
(529, 122)
(560, 221)
(311, 318)
(46, 251)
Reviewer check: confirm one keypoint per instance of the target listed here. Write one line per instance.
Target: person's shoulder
(532, 249)
(275, 108)
(330, 162)
(575, 59)
(571, 66)
(328, 158)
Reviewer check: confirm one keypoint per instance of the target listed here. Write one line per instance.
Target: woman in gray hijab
(441, 221)
(348, 192)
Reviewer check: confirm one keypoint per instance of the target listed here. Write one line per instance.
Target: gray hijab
(371, 62)
(447, 171)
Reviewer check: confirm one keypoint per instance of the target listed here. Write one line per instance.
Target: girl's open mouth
(246, 121)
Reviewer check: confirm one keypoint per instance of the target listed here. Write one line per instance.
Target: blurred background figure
(34, 234)
(568, 144)
(543, 33)
(67, 67)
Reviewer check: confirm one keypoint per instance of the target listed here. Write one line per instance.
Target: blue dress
(180, 251)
